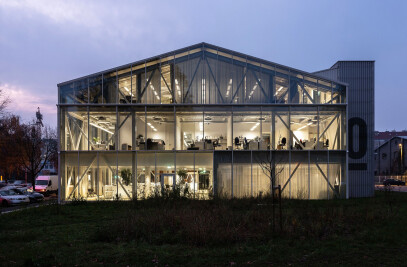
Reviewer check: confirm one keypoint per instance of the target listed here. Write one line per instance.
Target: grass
(160, 232)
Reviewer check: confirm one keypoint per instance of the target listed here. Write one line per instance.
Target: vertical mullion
(89, 134)
(261, 125)
(290, 133)
(175, 130)
(155, 173)
(131, 84)
(145, 127)
(289, 173)
(309, 175)
(97, 175)
(117, 88)
(159, 83)
(232, 165)
(77, 178)
(251, 173)
(318, 119)
(327, 173)
(145, 83)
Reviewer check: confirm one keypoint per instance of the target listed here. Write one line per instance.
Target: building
(204, 118)
(382, 137)
(390, 157)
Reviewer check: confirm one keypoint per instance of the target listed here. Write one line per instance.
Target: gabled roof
(395, 137)
(209, 46)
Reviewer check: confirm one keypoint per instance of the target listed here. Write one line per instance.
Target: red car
(4, 202)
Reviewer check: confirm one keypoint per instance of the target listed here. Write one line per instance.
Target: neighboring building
(204, 116)
(390, 157)
(49, 169)
(382, 137)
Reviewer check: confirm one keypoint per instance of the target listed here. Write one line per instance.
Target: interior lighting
(279, 89)
(152, 127)
(178, 88)
(203, 90)
(127, 89)
(255, 126)
(229, 87)
(304, 126)
(100, 127)
(254, 88)
(155, 93)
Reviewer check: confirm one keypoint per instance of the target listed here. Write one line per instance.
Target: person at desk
(237, 142)
(281, 144)
(245, 143)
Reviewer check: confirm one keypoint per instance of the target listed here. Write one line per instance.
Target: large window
(203, 76)
(102, 128)
(160, 129)
(247, 129)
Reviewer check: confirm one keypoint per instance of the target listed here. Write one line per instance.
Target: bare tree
(4, 101)
(272, 168)
(38, 146)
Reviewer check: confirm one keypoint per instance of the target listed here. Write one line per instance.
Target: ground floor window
(112, 175)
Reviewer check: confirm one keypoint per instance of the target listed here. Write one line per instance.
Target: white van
(46, 184)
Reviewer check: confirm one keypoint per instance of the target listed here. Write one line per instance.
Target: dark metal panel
(331, 74)
(360, 78)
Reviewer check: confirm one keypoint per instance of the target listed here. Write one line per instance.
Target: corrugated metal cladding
(331, 74)
(359, 75)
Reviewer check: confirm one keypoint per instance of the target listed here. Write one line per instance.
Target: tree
(272, 168)
(38, 145)
(4, 101)
(9, 146)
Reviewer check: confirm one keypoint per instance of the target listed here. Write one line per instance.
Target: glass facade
(202, 119)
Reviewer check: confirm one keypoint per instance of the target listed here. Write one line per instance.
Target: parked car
(13, 197)
(18, 182)
(8, 187)
(4, 202)
(3, 184)
(33, 196)
(393, 182)
(46, 184)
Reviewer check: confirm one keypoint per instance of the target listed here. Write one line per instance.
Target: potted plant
(126, 176)
(182, 173)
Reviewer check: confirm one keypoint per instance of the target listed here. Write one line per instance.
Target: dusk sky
(43, 43)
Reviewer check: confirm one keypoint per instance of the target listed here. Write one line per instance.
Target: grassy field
(160, 232)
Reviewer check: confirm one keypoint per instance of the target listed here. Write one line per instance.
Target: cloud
(25, 103)
(106, 21)
(58, 11)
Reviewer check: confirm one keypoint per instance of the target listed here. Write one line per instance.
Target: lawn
(159, 232)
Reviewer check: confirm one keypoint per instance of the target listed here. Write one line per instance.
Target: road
(394, 188)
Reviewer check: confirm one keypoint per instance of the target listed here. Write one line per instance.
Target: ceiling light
(229, 86)
(97, 126)
(255, 126)
(254, 88)
(279, 89)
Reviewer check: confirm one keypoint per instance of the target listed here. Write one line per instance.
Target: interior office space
(202, 118)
